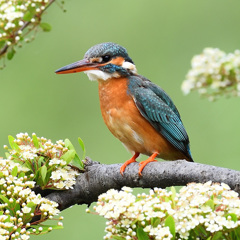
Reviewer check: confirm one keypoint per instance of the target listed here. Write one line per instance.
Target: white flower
(127, 189)
(54, 161)
(48, 208)
(190, 209)
(26, 209)
(25, 237)
(59, 185)
(28, 155)
(230, 224)
(2, 181)
(56, 175)
(213, 73)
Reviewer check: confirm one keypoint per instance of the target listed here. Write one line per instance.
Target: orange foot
(144, 163)
(133, 159)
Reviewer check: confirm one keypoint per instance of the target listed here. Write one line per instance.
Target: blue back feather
(157, 107)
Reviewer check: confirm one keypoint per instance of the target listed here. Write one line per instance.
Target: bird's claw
(146, 162)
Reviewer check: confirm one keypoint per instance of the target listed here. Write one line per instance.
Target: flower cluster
(21, 210)
(214, 73)
(54, 166)
(18, 18)
(198, 211)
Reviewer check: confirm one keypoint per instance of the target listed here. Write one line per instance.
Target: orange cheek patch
(117, 61)
(95, 60)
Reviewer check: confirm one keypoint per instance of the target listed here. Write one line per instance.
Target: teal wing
(159, 110)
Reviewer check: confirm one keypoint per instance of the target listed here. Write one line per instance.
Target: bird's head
(103, 61)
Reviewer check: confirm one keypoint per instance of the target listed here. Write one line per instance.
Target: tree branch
(99, 178)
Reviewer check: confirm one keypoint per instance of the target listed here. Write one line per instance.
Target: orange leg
(132, 159)
(144, 163)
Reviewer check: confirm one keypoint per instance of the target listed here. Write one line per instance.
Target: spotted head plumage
(102, 62)
(107, 51)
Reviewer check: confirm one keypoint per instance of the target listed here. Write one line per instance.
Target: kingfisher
(136, 111)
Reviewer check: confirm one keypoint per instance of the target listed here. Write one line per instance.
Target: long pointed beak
(79, 66)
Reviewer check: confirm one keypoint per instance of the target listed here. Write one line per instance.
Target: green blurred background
(161, 38)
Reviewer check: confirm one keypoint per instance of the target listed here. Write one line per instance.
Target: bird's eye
(106, 58)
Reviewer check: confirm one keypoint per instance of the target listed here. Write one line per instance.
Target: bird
(136, 111)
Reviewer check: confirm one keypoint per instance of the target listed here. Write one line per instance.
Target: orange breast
(127, 124)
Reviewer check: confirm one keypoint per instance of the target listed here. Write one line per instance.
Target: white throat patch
(129, 66)
(95, 75)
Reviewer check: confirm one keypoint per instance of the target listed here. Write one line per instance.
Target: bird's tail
(190, 159)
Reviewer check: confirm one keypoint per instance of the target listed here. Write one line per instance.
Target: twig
(4, 49)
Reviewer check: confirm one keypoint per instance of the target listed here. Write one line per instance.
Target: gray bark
(98, 178)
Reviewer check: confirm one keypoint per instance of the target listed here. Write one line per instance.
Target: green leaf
(210, 203)
(118, 238)
(21, 174)
(167, 199)
(14, 171)
(4, 199)
(41, 146)
(35, 141)
(49, 173)
(45, 27)
(2, 43)
(11, 53)
(37, 177)
(173, 190)
(13, 206)
(43, 172)
(28, 165)
(169, 222)
(31, 205)
(54, 227)
(217, 236)
(12, 143)
(44, 227)
(40, 161)
(28, 16)
(81, 143)
(141, 235)
(17, 207)
(77, 162)
(8, 218)
(155, 222)
(233, 216)
(69, 156)
(200, 231)
(68, 144)
(237, 232)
